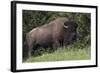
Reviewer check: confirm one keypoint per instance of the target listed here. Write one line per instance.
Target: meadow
(62, 54)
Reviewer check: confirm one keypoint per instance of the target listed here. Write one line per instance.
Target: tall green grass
(64, 53)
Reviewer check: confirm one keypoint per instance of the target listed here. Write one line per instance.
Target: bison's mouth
(74, 38)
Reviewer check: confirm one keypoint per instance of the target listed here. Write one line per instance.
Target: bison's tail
(25, 51)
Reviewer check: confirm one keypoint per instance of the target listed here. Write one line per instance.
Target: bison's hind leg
(30, 47)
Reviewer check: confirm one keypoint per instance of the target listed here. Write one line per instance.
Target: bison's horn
(65, 26)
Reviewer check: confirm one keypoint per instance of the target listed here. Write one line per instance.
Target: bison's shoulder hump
(62, 19)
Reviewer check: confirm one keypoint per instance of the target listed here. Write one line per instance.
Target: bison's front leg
(56, 44)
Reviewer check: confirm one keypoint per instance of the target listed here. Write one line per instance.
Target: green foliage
(63, 53)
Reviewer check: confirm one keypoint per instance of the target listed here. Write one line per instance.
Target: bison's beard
(70, 39)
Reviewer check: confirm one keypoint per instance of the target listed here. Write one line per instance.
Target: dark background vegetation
(32, 19)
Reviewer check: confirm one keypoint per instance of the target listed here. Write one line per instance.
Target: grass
(62, 54)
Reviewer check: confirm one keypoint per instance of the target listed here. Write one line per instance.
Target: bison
(60, 31)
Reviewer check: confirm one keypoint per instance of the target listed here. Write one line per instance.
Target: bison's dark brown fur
(57, 32)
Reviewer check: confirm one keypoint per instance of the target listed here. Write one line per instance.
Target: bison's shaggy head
(70, 31)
